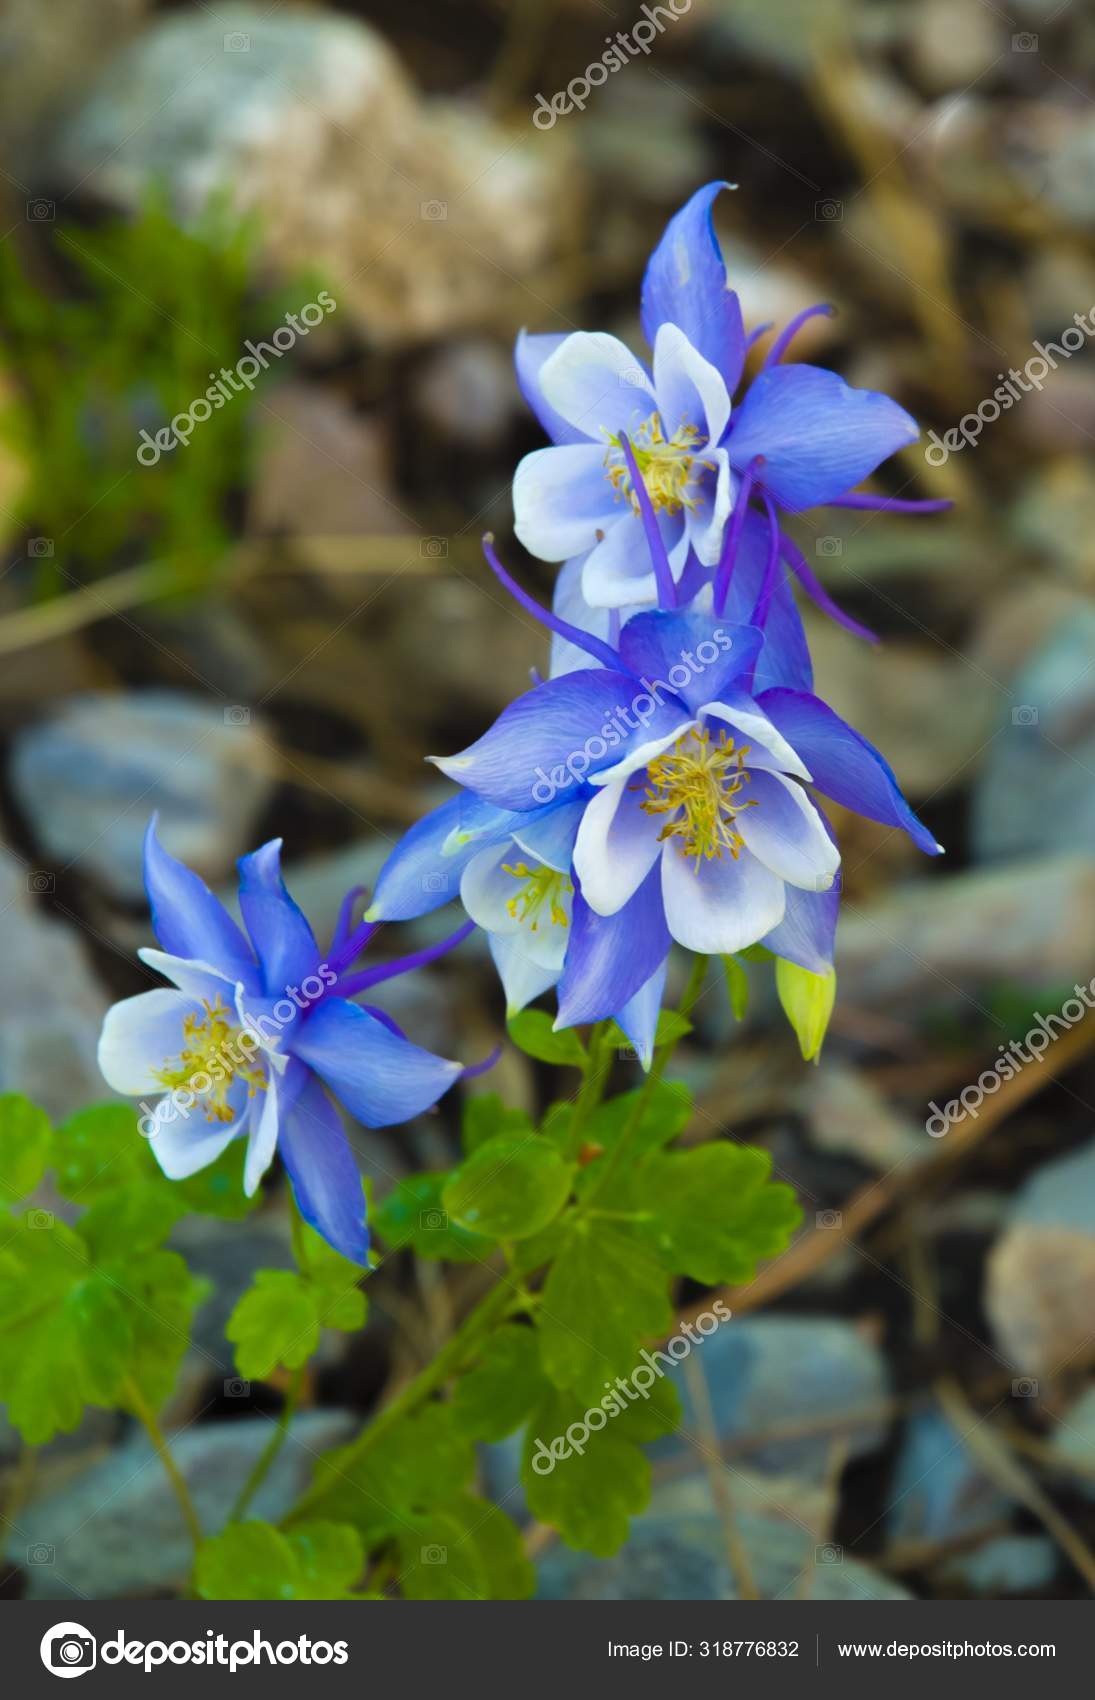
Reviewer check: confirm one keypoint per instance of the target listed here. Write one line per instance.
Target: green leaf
(605, 1292)
(414, 1215)
(101, 1150)
(532, 1032)
(714, 1212)
(218, 1190)
(65, 1337)
(24, 1145)
(807, 1001)
(666, 1110)
(737, 985)
(466, 1549)
(253, 1561)
(160, 1297)
(495, 1398)
(589, 1494)
(275, 1322)
(510, 1188)
(423, 1462)
(485, 1117)
(278, 1320)
(138, 1218)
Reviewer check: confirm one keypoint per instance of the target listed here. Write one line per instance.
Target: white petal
(522, 978)
(707, 523)
(140, 1037)
(561, 499)
(768, 749)
(719, 906)
(263, 1122)
(689, 389)
(486, 889)
(189, 1143)
(616, 847)
(597, 384)
(786, 833)
(618, 572)
(200, 980)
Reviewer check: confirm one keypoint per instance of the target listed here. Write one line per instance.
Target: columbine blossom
(662, 793)
(512, 871)
(800, 437)
(253, 1032)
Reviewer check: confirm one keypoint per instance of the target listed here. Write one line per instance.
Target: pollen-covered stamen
(698, 782)
(669, 465)
(544, 889)
(216, 1052)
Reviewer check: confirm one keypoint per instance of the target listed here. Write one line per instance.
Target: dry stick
(740, 1567)
(809, 1253)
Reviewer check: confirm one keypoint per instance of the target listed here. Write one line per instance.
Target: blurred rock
(1040, 1276)
(850, 1116)
(1044, 753)
(938, 1492)
(466, 391)
(51, 1004)
(89, 779)
(1073, 1442)
(954, 41)
(837, 1377)
(934, 941)
(117, 1532)
(55, 48)
(323, 468)
(1011, 1564)
(419, 216)
(684, 1558)
(1054, 516)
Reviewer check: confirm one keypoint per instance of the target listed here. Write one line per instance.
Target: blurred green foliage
(94, 356)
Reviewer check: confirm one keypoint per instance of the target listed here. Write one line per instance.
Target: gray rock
(934, 941)
(117, 1531)
(1011, 1564)
(684, 1558)
(1043, 753)
(51, 1005)
(466, 391)
(418, 215)
(765, 1373)
(1073, 1442)
(938, 1491)
(89, 779)
(1040, 1275)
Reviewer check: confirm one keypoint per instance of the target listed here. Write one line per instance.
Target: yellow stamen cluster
(211, 1060)
(543, 888)
(666, 465)
(697, 781)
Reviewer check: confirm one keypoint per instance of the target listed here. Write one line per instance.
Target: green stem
(490, 1309)
(661, 1062)
(147, 1417)
(264, 1462)
(595, 1078)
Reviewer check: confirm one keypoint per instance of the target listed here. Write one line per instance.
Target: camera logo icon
(68, 1649)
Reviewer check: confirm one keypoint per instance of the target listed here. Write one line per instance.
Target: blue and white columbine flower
(255, 1030)
(800, 437)
(696, 824)
(512, 871)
